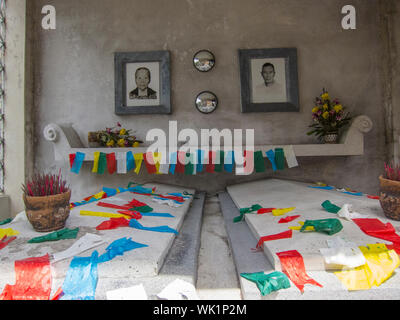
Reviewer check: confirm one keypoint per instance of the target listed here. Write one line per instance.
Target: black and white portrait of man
(268, 80)
(142, 81)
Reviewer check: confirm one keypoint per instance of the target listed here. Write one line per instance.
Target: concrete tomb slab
(307, 202)
(138, 263)
(242, 239)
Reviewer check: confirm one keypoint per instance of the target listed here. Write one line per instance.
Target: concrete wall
(395, 50)
(15, 101)
(74, 76)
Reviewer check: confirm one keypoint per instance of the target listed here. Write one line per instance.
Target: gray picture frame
(291, 80)
(120, 61)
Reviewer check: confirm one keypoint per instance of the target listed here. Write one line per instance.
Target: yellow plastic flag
(96, 157)
(301, 223)
(99, 195)
(8, 232)
(157, 160)
(281, 212)
(380, 264)
(138, 161)
(103, 214)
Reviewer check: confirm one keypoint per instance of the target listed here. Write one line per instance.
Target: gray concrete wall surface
(73, 69)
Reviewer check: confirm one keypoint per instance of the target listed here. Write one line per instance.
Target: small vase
(390, 198)
(48, 213)
(331, 137)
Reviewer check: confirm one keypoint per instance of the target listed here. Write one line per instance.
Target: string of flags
(185, 162)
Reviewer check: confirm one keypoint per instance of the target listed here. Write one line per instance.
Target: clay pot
(48, 213)
(390, 197)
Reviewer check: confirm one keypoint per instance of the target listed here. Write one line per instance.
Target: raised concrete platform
(242, 239)
(307, 201)
(137, 266)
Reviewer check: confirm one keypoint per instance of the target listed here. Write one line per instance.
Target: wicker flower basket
(48, 213)
(390, 198)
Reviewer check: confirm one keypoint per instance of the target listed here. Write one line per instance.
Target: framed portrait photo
(142, 82)
(269, 80)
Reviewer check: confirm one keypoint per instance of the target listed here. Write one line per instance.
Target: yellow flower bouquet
(116, 137)
(328, 115)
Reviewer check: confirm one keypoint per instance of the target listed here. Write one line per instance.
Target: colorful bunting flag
(200, 160)
(172, 162)
(121, 162)
(219, 156)
(111, 162)
(279, 158)
(290, 156)
(210, 166)
(138, 161)
(77, 163)
(102, 163)
(190, 167)
(229, 161)
(130, 161)
(271, 158)
(149, 162)
(180, 165)
(96, 156)
(259, 161)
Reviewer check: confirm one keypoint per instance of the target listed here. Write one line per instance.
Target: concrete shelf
(65, 141)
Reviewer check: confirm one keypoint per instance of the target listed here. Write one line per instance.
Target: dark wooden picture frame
(287, 99)
(162, 103)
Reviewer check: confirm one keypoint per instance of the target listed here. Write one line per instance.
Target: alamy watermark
(240, 141)
(49, 20)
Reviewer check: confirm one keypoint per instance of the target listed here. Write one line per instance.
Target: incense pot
(390, 198)
(48, 213)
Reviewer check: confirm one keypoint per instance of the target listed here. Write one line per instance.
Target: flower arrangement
(328, 116)
(392, 172)
(45, 184)
(117, 137)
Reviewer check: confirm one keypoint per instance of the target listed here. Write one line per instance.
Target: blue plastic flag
(271, 158)
(322, 187)
(156, 214)
(172, 162)
(200, 159)
(354, 193)
(229, 161)
(133, 223)
(130, 161)
(81, 279)
(77, 165)
(118, 248)
(140, 189)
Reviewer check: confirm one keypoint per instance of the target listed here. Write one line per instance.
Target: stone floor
(217, 277)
